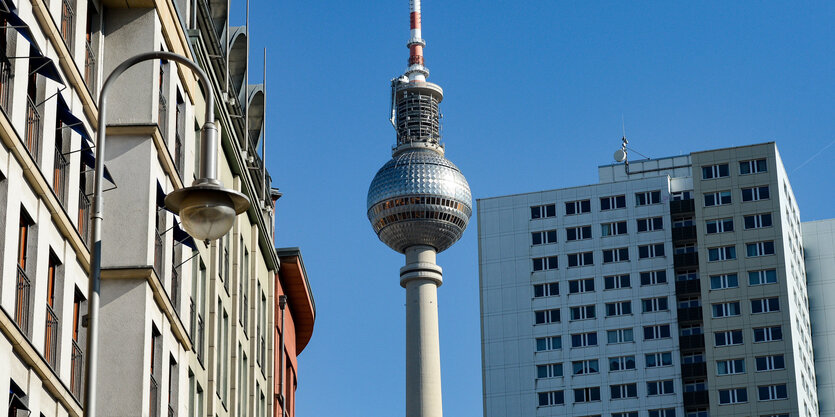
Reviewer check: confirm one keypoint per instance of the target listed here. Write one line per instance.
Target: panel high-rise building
(672, 287)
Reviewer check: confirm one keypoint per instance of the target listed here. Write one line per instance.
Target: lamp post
(206, 209)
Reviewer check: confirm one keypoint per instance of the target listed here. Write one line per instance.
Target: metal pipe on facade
(282, 302)
(264, 139)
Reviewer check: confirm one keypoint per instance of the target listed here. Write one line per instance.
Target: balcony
(694, 370)
(158, 248)
(59, 178)
(175, 288)
(684, 234)
(690, 314)
(163, 109)
(67, 17)
(686, 260)
(691, 286)
(153, 398)
(5, 82)
(245, 313)
(192, 318)
(21, 310)
(76, 370)
(692, 342)
(198, 342)
(50, 345)
(682, 206)
(33, 128)
(178, 153)
(83, 216)
(696, 399)
(90, 66)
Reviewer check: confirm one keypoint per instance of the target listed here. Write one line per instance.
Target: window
(718, 198)
(582, 312)
(615, 255)
(585, 367)
(550, 398)
(661, 331)
(650, 224)
(544, 211)
(772, 392)
(768, 334)
(616, 281)
(721, 253)
(765, 305)
(697, 357)
(584, 395)
(648, 197)
(770, 363)
(620, 336)
(627, 414)
(624, 391)
(663, 412)
(622, 363)
(651, 251)
(720, 225)
(755, 193)
(581, 285)
(584, 339)
(733, 396)
(728, 338)
(612, 229)
(728, 309)
(619, 308)
(760, 248)
(655, 360)
(546, 290)
(687, 302)
(695, 386)
(551, 370)
(654, 304)
(680, 248)
(548, 343)
(653, 277)
(730, 367)
(723, 281)
(660, 387)
(758, 221)
(547, 316)
(752, 167)
(690, 329)
(682, 195)
(766, 276)
(613, 202)
(541, 264)
(578, 233)
(682, 222)
(577, 207)
(580, 259)
(544, 237)
(715, 171)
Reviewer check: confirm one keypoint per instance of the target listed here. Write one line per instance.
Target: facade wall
(819, 251)
(183, 331)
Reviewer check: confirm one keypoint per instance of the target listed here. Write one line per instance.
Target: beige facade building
(186, 328)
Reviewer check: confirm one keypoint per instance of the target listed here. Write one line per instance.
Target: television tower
(419, 204)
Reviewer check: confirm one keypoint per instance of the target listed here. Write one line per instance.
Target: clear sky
(535, 94)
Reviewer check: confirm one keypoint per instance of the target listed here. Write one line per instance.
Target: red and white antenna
(416, 70)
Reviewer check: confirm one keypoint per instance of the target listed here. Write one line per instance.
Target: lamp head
(206, 209)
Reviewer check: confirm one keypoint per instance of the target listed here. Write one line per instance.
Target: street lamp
(206, 209)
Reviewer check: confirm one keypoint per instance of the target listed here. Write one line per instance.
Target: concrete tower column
(421, 278)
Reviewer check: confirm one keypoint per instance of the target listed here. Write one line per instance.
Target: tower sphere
(419, 198)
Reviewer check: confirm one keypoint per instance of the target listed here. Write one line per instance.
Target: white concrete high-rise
(673, 287)
(819, 253)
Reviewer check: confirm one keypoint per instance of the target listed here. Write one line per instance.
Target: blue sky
(535, 95)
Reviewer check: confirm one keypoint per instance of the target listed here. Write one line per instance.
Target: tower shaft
(421, 277)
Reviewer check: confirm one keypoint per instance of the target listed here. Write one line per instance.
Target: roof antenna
(620, 154)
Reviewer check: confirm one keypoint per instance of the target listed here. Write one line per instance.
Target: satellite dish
(620, 155)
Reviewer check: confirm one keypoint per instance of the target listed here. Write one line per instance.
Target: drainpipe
(282, 302)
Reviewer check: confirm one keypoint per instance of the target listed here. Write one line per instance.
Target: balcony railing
(175, 288)
(198, 342)
(682, 206)
(153, 398)
(263, 346)
(163, 109)
(33, 128)
(83, 216)
(192, 318)
(690, 314)
(696, 398)
(178, 153)
(686, 260)
(245, 312)
(158, 248)
(90, 67)
(59, 179)
(691, 286)
(685, 233)
(51, 339)
(170, 410)
(694, 370)
(5, 82)
(21, 310)
(76, 370)
(692, 342)
(67, 17)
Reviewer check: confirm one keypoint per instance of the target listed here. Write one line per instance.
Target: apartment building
(819, 253)
(186, 328)
(673, 287)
